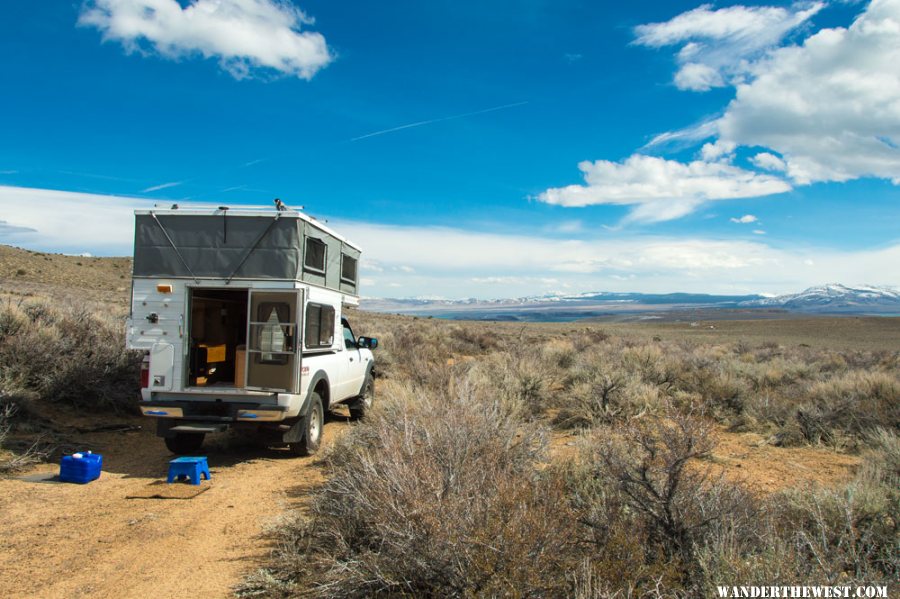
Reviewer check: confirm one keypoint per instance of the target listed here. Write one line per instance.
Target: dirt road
(67, 540)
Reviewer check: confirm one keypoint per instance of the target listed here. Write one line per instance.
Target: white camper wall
(141, 334)
(171, 308)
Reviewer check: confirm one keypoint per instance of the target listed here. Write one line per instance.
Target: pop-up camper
(240, 315)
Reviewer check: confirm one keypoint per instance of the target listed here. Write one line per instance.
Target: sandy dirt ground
(763, 468)
(68, 540)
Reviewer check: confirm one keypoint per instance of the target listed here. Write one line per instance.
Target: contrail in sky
(162, 186)
(440, 120)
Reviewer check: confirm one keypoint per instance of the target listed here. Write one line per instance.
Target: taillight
(145, 372)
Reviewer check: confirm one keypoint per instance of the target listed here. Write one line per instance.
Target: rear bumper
(211, 411)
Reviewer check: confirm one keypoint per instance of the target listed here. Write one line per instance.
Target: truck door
(273, 341)
(352, 365)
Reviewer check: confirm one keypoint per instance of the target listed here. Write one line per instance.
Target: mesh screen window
(319, 326)
(348, 269)
(314, 256)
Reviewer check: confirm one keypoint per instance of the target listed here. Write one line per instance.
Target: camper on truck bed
(240, 315)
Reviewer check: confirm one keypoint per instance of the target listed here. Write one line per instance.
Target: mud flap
(295, 433)
(164, 426)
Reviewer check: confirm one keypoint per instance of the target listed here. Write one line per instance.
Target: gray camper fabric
(222, 246)
(213, 246)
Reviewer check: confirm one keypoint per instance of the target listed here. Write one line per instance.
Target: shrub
(854, 403)
(437, 495)
(652, 466)
(70, 354)
(848, 535)
(9, 461)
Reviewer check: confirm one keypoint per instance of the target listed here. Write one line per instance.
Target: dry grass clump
(658, 519)
(448, 494)
(797, 395)
(446, 490)
(66, 353)
(650, 506)
(437, 495)
(11, 461)
(586, 378)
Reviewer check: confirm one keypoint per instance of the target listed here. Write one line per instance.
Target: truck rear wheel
(363, 403)
(184, 443)
(312, 425)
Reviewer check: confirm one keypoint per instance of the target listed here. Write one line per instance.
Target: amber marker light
(164, 288)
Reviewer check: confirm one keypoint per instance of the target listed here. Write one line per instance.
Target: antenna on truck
(282, 207)
(224, 210)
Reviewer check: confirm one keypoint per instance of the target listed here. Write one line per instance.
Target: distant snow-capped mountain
(826, 299)
(835, 297)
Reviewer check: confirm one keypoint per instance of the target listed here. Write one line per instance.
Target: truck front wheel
(363, 403)
(184, 443)
(312, 428)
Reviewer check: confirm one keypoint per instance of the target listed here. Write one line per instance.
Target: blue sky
(555, 146)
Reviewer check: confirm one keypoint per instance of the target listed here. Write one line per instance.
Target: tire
(312, 425)
(185, 443)
(363, 403)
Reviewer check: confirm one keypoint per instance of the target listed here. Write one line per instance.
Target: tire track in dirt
(66, 540)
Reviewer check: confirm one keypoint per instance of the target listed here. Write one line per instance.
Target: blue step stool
(188, 467)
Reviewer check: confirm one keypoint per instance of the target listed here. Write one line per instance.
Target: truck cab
(241, 318)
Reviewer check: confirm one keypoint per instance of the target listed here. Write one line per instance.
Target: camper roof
(248, 211)
(243, 243)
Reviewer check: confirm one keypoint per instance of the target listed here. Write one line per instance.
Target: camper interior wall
(218, 327)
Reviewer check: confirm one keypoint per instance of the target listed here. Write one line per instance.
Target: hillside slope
(24, 273)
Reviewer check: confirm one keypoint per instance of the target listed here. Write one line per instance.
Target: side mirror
(367, 342)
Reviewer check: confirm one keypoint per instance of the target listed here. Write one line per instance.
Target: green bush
(66, 354)
(436, 495)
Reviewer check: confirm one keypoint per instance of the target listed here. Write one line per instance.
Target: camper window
(348, 269)
(273, 333)
(319, 326)
(314, 256)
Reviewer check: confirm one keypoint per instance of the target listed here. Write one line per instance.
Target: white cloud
(747, 218)
(371, 265)
(758, 232)
(687, 136)
(447, 260)
(718, 152)
(829, 105)
(244, 35)
(717, 44)
(698, 77)
(768, 161)
(825, 110)
(646, 263)
(660, 189)
(67, 221)
(566, 227)
(516, 280)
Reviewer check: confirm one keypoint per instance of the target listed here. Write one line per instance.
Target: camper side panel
(169, 309)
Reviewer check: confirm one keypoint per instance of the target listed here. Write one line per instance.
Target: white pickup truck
(240, 316)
